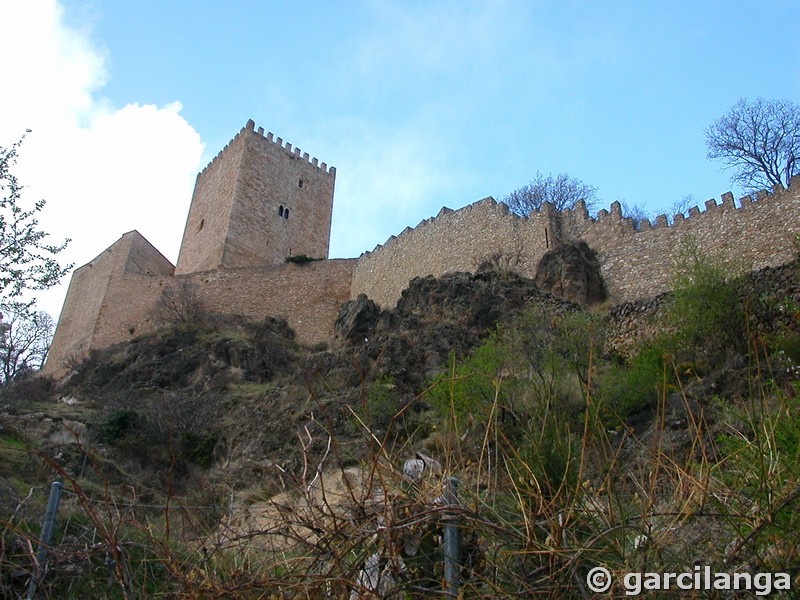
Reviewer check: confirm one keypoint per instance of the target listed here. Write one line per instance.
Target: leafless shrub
(25, 337)
(501, 261)
(180, 304)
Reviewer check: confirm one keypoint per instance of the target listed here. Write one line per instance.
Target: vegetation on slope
(225, 461)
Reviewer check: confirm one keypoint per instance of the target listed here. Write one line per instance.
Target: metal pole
(452, 540)
(47, 534)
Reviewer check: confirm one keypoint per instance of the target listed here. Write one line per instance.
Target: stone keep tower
(257, 203)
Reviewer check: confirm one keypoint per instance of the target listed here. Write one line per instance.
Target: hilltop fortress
(260, 205)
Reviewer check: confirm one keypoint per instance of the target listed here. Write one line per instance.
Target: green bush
(198, 448)
(788, 348)
(300, 259)
(470, 388)
(380, 404)
(706, 311)
(120, 424)
(628, 388)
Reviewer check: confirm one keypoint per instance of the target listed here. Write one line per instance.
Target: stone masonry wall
(308, 296)
(87, 288)
(258, 202)
(206, 230)
(635, 262)
(452, 241)
(632, 324)
(84, 307)
(273, 175)
(640, 263)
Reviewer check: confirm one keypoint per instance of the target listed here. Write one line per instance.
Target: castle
(260, 202)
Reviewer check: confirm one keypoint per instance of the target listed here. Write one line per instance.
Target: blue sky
(418, 105)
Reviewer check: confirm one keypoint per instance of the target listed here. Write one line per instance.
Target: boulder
(356, 321)
(572, 272)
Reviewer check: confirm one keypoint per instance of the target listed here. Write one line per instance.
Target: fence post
(452, 540)
(47, 534)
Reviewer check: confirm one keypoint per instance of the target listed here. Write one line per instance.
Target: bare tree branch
(759, 141)
(25, 340)
(180, 304)
(562, 191)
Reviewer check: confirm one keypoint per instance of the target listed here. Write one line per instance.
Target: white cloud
(102, 170)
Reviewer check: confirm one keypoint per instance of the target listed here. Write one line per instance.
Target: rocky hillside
(533, 401)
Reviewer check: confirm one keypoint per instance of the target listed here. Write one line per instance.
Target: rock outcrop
(572, 272)
(357, 318)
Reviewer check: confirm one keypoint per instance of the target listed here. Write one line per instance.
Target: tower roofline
(295, 152)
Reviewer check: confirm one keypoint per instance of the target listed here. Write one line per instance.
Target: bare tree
(26, 337)
(760, 141)
(562, 191)
(27, 263)
(180, 304)
(682, 206)
(637, 213)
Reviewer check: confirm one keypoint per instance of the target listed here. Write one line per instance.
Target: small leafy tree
(562, 191)
(27, 263)
(760, 141)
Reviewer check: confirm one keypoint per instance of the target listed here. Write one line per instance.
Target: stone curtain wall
(635, 262)
(120, 304)
(640, 263)
(632, 324)
(308, 295)
(451, 241)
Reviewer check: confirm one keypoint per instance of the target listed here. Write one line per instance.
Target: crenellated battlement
(612, 216)
(636, 257)
(277, 142)
(444, 216)
(711, 208)
(286, 147)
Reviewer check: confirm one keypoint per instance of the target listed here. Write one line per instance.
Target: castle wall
(84, 308)
(238, 234)
(635, 262)
(87, 288)
(640, 263)
(308, 296)
(452, 241)
(120, 304)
